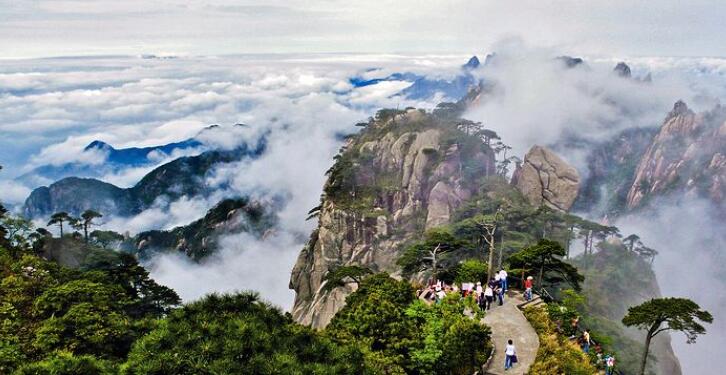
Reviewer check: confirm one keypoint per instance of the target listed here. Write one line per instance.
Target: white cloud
(301, 104)
(162, 215)
(208, 27)
(246, 263)
(12, 192)
(537, 100)
(689, 237)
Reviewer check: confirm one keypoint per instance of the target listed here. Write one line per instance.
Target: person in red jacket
(528, 288)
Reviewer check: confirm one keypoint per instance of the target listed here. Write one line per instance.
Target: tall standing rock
(406, 172)
(544, 178)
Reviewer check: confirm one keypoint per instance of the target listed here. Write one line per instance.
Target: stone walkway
(507, 322)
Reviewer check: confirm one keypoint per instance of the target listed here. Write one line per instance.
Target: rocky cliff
(200, 238)
(545, 179)
(610, 170)
(688, 155)
(407, 171)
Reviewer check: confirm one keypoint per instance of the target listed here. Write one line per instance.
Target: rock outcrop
(406, 172)
(622, 70)
(610, 170)
(688, 155)
(201, 238)
(545, 179)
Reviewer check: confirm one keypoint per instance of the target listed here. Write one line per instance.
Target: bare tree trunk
(434, 262)
(569, 240)
(644, 360)
(489, 239)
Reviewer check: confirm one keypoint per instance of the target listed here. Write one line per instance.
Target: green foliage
(237, 334)
(616, 279)
(544, 259)
(556, 354)
(59, 218)
(106, 238)
(663, 314)
(438, 251)
(17, 230)
(397, 333)
(376, 315)
(65, 363)
(340, 276)
(452, 342)
(46, 308)
(471, 270)
(667, 314)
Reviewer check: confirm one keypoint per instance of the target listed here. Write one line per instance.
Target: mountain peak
(98, 145)
(473, 63)
(680, 108)
(622, 70)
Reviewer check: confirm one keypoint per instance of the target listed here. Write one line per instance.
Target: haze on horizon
(216, 27)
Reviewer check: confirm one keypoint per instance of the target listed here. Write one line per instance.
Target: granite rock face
(545, 179)
(400, 176)
(688, 155)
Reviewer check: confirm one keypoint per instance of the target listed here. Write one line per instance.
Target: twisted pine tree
(664, 314)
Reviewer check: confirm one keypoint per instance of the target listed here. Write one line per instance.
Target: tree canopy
(544, 258)
(667, 314)
(237, 334)
(433, 252)
(400, 334)
(340, 276)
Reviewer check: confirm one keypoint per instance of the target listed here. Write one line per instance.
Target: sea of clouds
(303, 105)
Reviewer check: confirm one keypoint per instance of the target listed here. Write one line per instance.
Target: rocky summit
(406, 172)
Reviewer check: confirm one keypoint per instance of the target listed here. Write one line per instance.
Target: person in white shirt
(489, 297)
(510, 353)
(503, 279)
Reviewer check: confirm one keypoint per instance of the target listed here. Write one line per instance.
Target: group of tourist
(494, 290)
(584, 340)
(486, 294)
(483, 294)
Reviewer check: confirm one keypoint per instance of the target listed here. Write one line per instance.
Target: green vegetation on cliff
(200, 238)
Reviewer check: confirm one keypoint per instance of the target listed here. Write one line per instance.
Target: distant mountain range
(115, 161)
(184, 176)
(423, 87)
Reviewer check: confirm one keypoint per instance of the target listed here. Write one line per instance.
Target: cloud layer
(207, 27)
(303, 104)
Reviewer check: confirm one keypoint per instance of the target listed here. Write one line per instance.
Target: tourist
(499, 289)
(586, 341)
(609, 364)
(528, 288)
(479, 294)
(503, 279)
(489, 297)
(510, 355)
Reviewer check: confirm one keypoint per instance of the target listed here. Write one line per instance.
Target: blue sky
(210, 27)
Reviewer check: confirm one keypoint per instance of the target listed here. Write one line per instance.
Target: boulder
(544, 178)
